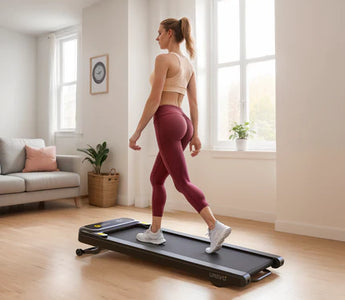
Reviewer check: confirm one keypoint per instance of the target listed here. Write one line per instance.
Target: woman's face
(163, 37)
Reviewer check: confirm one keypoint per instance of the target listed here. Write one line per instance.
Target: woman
(173, 76)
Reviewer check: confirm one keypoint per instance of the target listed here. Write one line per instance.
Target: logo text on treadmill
(218, 276)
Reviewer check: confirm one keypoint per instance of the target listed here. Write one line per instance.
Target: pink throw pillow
(40, 159)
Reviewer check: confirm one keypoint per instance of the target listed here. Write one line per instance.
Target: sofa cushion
(37, 181)
(12, 153)
(40, 159)
(11, 184)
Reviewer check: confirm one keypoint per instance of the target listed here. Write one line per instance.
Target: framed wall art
(99, 74)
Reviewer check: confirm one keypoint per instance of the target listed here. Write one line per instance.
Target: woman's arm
(152, 103)
(193, 108)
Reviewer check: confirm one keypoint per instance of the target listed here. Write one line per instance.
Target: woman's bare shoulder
(163, 59)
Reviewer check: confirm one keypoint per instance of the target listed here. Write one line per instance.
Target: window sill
(249, 154)
(233, 154)
(67, 134)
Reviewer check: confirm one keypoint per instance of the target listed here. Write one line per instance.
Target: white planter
(241, 144)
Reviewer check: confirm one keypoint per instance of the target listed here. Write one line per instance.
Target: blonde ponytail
(186, 33)
(182, 31)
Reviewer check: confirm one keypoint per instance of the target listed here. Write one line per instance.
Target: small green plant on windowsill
(240, 133)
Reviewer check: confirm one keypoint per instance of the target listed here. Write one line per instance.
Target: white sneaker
(217, 236)
(148, 236)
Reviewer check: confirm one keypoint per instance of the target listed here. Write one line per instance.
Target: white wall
(42, 91)
(138, 91)
(310, 46)
(17, 85)
(105, 116)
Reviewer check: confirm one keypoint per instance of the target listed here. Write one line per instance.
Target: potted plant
(102, 187)
(240, 133)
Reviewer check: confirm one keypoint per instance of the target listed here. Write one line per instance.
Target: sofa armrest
(69, 163)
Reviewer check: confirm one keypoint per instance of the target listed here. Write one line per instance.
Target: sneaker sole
(159, 242)
(220, 243)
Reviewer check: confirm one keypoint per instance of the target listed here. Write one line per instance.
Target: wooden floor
(38, 259)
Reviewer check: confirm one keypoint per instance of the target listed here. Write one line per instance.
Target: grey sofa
(17, 187)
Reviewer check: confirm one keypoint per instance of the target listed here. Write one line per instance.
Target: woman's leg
(207, 215)
(174, 131)
(156, 224)
(158, 176)
(206, 212)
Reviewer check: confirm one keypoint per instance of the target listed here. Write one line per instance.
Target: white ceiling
(36, 17)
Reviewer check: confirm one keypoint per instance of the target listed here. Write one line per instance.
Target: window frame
(61, 38)
(242, 63)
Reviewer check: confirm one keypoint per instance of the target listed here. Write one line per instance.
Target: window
(243, 68)
(67, 66)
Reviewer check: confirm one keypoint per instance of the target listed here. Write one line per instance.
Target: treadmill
(231, 265)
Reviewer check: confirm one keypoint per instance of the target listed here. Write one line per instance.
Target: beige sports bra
(179, 82)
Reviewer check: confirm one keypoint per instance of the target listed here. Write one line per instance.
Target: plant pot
(241, 144)
(102, 189)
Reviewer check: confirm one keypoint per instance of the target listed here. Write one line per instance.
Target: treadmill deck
(231, 264)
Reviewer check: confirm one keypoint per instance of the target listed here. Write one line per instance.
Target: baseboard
(325, 232)
(260, 216)
(121, 200)
(141, 201)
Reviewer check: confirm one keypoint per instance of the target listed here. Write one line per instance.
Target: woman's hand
(133, 141)
(195, 142)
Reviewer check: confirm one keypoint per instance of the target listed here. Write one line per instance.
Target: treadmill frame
(218, 275)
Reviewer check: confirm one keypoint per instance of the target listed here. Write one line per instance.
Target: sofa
(17, 187)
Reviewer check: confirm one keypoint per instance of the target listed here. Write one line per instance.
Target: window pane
(261, 95)
(69, 54)
(259, 28)
(228, 31)
(68, 107)
(228, 100)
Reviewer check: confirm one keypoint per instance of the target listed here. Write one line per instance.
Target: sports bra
(179, 82)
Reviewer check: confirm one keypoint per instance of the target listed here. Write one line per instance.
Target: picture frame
(99, 74)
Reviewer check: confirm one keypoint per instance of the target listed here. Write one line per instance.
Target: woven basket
(103, 188)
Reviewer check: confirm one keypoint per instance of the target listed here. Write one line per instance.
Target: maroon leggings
(174, 131)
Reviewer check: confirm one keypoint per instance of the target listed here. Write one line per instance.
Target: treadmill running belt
(181, 245)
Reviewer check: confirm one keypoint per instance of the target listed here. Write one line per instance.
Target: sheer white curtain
(52, 89)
